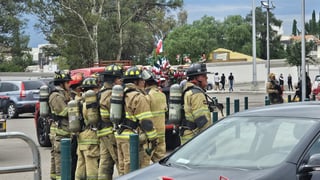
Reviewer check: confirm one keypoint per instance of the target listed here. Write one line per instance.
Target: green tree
(13, 42)
(313, 24)
(295, 30)
(237, 34)
(201, 36)
(294, 54)
(80, 28)
(72, 20)
(276, 49)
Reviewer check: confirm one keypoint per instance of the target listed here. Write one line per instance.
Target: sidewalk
(249, 88)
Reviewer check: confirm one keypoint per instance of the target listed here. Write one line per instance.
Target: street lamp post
(303, 52)
(266, 4)
(254, 54)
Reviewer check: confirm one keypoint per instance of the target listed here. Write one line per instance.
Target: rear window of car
(32, 85)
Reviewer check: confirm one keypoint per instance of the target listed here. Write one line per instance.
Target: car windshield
(243, 142)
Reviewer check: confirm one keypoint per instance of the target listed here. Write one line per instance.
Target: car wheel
(43, 131)
(12, 110)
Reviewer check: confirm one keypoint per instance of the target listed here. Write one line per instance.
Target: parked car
(23, 96)
(278, 142)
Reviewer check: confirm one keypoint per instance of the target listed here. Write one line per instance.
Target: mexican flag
(159, 48)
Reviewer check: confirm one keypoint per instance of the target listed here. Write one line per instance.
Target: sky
(285, 10)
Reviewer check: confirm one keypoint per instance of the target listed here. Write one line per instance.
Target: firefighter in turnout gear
(76, 94)
(88, 142)
(158, 105)
(197, 115)
(136, 120)
(108, 146)
(58, 100)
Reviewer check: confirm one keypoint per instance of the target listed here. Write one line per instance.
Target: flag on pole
(159, 47)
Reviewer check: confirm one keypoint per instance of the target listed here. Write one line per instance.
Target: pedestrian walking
(289, 81)
(231, 81)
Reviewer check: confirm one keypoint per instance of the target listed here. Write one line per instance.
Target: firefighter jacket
(137, 114)
(105, 124)
(87, 137)
(58, 100)
(196, 108)
(158, 106)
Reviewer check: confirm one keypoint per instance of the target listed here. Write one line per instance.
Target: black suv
(23, 96)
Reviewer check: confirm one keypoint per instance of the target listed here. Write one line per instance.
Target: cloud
(196, 11)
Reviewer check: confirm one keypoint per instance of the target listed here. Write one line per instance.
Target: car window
(6, 87)
(32, 85)
(314, 149)
(317, 78)
(243, 142)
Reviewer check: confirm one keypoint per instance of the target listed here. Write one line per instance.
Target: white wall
(242, 71)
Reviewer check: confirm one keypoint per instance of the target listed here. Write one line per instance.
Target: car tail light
(223, 178)
(166, 178)
(22, 91)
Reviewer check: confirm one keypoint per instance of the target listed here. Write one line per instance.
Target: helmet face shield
(148, 76)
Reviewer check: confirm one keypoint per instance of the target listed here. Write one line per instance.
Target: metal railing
(36, 166)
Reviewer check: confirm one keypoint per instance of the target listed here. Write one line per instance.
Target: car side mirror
(313, 164)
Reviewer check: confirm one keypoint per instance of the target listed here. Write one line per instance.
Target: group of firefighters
(100, 117)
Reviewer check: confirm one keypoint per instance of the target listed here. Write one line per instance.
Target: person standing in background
(223, 81)
(216, 81)
(289, 80)
(281, 82)
(231, 80)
